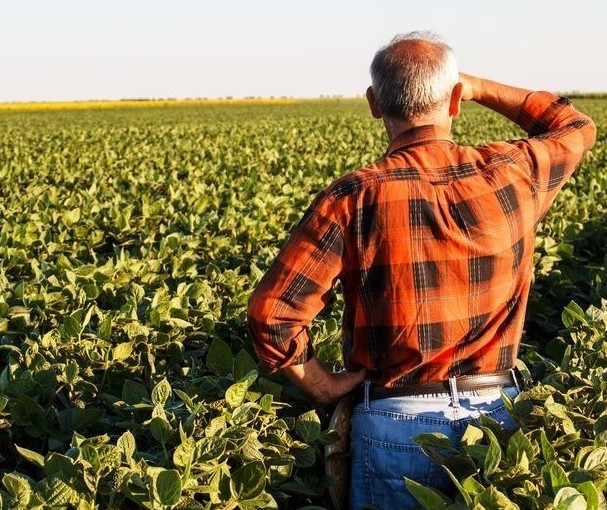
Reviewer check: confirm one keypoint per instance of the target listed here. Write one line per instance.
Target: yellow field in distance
(144, 103)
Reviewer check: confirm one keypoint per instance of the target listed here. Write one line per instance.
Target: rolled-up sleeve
(559, 137)
(296, 288)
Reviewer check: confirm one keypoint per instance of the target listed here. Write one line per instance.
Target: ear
(375, 111)
(456, 99)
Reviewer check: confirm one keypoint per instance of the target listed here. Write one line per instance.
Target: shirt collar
(417, 135)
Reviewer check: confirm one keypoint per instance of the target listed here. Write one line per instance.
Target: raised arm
(558, 135)
(503, 99)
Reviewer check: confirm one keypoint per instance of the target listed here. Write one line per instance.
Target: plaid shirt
(433, 246)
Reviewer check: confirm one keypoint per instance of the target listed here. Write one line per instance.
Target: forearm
(321, 385)
(503, 99)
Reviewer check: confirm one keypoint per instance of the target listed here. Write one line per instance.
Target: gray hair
(413, 75)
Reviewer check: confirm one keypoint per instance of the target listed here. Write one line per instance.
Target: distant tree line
(586, 95)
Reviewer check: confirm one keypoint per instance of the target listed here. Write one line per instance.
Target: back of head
(413, 75)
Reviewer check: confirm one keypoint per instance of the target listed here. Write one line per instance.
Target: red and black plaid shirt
(433, 246)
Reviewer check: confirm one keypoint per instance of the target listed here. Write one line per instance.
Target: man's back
(433, 246)
(438, 242)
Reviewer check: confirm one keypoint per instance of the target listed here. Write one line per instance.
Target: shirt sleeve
(296, 288)
(559, 137)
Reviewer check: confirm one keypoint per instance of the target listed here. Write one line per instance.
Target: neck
(394, 127)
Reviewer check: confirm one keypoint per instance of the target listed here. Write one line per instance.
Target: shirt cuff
(300, 353)
(539, 112)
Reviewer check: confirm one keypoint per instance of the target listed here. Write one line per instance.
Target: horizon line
(203, 100)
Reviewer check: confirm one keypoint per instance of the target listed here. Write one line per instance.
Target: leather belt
(459, 383)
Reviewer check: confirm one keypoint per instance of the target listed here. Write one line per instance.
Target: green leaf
(126, 444)
(572, 315)
(105, 328)
(91, 291)
(27, 413)
(265, 500)
(71, 372)
(86, 417)
(236, 393)
(596, 458)
(600, 425)
(215, 426)
(427, 497)
(210, 448)
(33, 457)
(198, 289)
(554, 477)
(184, 453)
(266, 402)
(72, 216)
(556, 409)
(122, 351)
(472, 486)
(592, 495)
(56, 493)
(466, 495)
(160, 429)
(89, 454)
(185, 398)
(519, 445)
(494, 453)
(56, 463)
(569, 498)
(547, 449)
(304, 457)
(3, 402)
(331, 326)
(473, 435)
(219, 357)
(248, 481)
(167, 487)
(434, 440)
(243, 364)
(307, 426)
(161, 393)
(71, 328)
(134, 393)
(18, 487)
(176, 322)
(493, 499)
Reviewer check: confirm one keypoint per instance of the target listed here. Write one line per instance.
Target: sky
(58, 50)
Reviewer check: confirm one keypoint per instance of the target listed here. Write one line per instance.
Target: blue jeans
(383, 451)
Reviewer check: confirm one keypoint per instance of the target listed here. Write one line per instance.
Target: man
(433, 245)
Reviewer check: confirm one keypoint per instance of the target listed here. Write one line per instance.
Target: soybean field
(130, 241)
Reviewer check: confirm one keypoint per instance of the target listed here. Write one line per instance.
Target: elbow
(588, 129)
(278, 341)
(259, 314)
(257, 323)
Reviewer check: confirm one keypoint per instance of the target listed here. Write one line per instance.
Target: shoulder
(358, 181)
(352, 182)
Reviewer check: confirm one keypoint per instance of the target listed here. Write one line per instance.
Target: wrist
(470, 86)
(345, 381)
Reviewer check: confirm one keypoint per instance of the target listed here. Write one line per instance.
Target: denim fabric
(383, 451)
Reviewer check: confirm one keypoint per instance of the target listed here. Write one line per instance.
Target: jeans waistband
(452, 386)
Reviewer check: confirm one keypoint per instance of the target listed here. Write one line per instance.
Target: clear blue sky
(111, 49)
